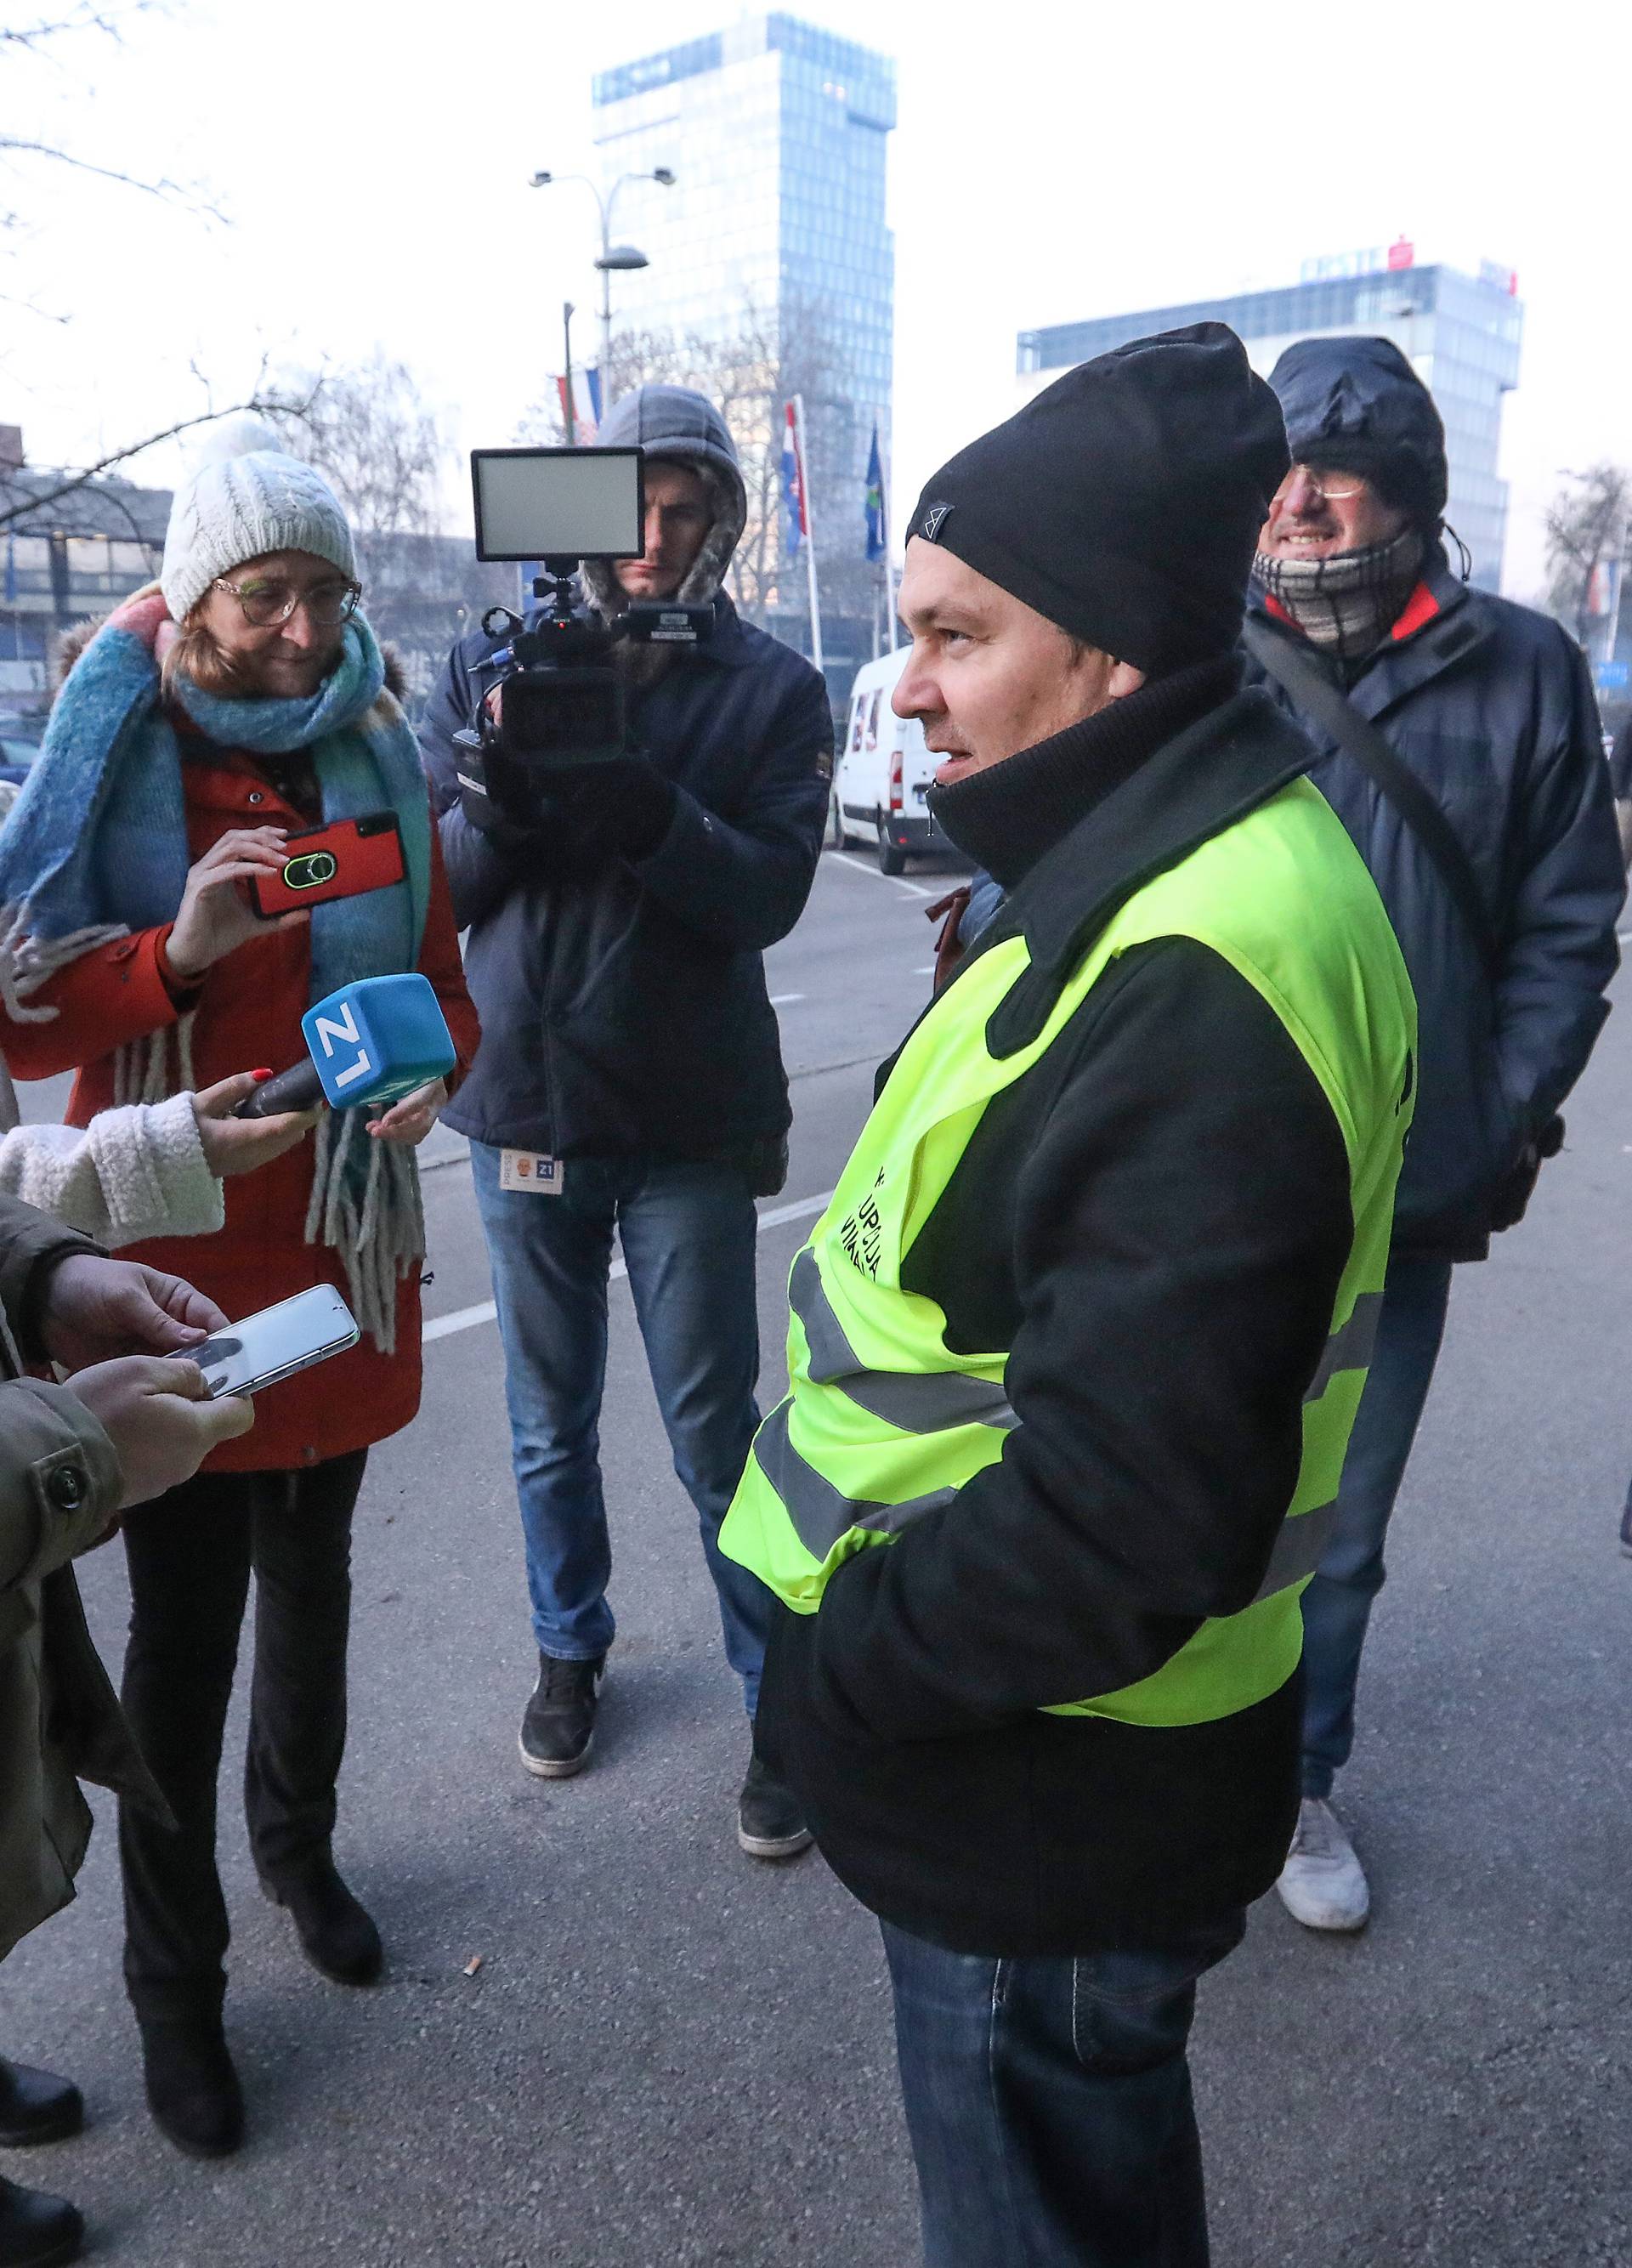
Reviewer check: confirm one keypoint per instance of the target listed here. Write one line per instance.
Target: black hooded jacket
(623, 1006)
(1491, 706)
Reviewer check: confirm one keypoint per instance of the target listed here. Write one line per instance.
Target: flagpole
(889, 559)
(809, 527)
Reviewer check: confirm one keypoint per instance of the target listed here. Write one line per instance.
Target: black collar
(1009, 817)
(1208, 776)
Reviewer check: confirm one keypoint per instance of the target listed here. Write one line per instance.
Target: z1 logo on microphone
(342, 1030)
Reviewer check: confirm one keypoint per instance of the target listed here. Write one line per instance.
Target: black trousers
(190, 1554)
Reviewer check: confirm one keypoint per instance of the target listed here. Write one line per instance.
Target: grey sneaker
(1323, 1884)
(559, 1725)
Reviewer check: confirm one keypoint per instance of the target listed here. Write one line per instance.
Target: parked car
(881, 779)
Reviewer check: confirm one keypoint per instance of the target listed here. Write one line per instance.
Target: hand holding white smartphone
(277, 1341)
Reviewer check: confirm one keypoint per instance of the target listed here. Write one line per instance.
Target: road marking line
(912, 889)
(470, 1319)
(785, 999)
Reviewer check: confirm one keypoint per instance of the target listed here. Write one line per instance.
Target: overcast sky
(1052, 162)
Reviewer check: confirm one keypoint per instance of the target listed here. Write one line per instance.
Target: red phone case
(339, 861)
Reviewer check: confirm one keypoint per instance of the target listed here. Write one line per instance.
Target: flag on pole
(793, 483)
(586, 418)
(877, 538)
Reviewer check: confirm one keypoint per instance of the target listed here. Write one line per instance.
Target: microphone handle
(298, 1088)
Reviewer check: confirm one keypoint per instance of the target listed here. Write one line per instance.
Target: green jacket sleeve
(60, 1482)
(27, 1240)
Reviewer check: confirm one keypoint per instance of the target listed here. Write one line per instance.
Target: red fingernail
(267, 1074)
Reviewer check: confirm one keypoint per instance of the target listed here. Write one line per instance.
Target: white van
(882, 773)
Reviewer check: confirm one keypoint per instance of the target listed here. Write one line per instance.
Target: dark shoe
(770, 1822)
(37, 2231)
(336, 1933)
(191, 2088)
(34, 2107)
(559, 1725)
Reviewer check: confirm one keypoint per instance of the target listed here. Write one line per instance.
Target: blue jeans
(1048, 2103)
(688, 1233)
(1337, 1603)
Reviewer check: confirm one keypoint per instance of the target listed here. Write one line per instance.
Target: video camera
(565, 701)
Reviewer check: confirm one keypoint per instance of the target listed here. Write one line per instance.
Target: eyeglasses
(267, 604)
(1323, 483)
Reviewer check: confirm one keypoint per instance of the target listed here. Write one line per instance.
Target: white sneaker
(1323, 1884)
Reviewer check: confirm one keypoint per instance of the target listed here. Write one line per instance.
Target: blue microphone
(369, 1043)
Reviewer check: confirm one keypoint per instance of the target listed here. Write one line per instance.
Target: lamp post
(619, 257)
(567, 313)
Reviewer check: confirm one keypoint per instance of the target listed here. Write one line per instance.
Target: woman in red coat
(241, 701)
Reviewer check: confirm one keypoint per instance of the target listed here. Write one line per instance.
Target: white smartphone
(277, 1341)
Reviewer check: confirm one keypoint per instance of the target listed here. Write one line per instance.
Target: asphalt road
(670, 2054)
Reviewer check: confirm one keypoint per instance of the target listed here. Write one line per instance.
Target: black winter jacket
(1491, 706)
(624, 1010)
(1154, 1219)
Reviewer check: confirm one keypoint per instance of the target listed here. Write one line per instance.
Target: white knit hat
(245, 496)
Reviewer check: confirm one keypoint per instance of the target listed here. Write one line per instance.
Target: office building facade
(64, 558)
(776, 132)
(1461, 334)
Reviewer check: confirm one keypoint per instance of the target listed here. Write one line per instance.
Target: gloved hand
(625, 807)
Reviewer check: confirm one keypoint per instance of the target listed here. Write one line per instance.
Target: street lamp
(620, 258)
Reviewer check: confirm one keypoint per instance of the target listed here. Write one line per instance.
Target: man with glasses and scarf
(1459, 744)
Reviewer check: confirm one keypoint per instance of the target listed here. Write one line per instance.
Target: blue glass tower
(776, 132)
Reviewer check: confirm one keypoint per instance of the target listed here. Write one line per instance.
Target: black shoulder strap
(1359, 738)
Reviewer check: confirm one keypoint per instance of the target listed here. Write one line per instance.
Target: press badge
(526, 1170)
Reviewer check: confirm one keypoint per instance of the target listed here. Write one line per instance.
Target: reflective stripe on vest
(822, 1514)
(916, 1400)
(885, 1423)
(930, 1402)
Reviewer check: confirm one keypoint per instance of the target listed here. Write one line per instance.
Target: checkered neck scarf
(1346, 605)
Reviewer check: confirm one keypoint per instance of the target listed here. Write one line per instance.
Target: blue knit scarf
(99, 833)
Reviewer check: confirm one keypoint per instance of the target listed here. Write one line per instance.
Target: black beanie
(1125, 502)
(1355, 405)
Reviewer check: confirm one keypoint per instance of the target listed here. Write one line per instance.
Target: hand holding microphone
(381, 1041)
(233, 1144)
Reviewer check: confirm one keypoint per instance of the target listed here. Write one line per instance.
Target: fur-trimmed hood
(677, 424)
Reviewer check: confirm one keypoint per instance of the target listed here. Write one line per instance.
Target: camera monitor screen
(558, 503)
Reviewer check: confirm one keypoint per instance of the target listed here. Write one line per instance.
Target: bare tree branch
(265, 405)
(1586, 529)
(168, 191)
(87, 17)
(45, 314)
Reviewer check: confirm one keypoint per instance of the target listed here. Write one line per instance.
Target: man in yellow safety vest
(1076, 1346)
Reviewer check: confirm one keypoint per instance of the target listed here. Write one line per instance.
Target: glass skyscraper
(1461, 334)
(776, 133)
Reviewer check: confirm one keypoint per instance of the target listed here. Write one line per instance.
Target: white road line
(912, 889)
(785, 999)
(470, 1319)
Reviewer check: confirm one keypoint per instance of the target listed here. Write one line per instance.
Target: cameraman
(630, 1074)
